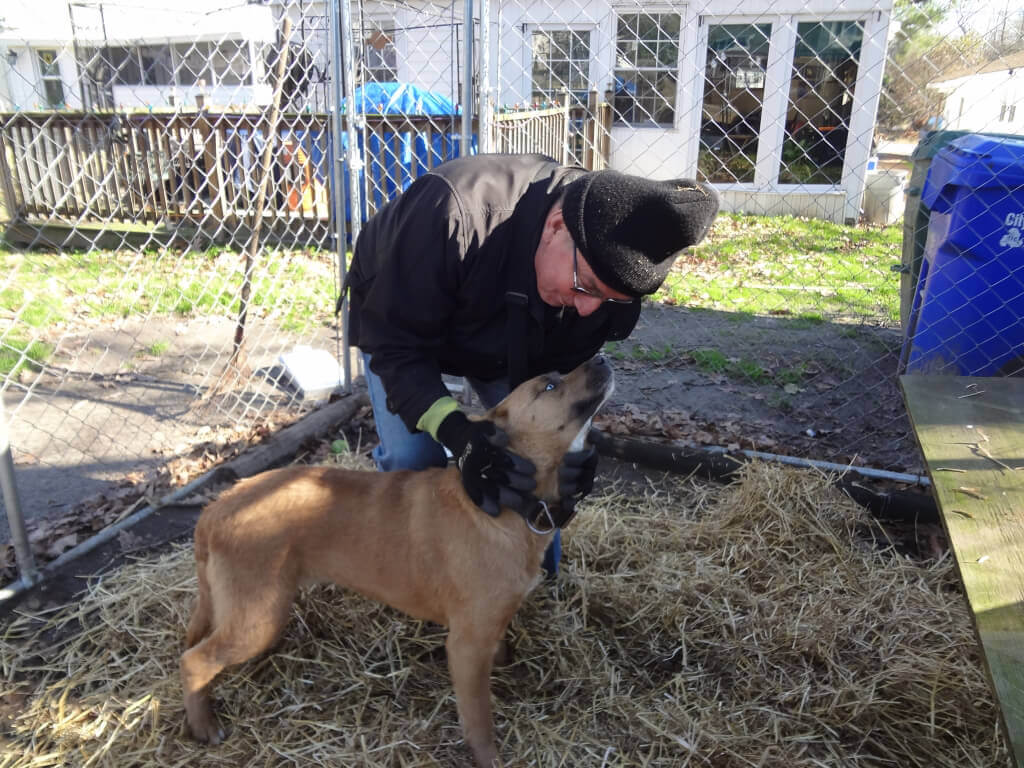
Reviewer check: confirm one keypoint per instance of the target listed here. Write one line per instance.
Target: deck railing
(205, 167)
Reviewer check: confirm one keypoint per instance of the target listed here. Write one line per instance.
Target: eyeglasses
(586, 291)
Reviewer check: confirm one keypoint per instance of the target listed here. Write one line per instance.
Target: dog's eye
(549, 386)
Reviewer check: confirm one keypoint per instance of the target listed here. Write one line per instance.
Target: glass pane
(820, 101)
(53, 90)
(229, 62)
(627, 26)
(541, 46)
(734, 77)
(156, 64)
(581, 46)
(193, 63)
(560, 45)
(625, 54)
(124, 66)
(668, 53)
(48, 66)
(645, 55)
(647, 27)
(669, 23)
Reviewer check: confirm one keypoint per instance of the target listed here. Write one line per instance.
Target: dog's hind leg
(471, 652)
(244, 631)
(202, 614)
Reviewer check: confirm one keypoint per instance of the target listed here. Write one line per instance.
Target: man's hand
(576, 477)
(492, 476)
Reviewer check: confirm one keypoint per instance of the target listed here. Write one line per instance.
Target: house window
(820, 101)
(213, 64)
(380, 58)
(646, 59)
(561, 59)
(155, 66)
(734, 77)
(49, 73)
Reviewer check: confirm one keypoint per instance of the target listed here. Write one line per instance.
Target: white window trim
(782, 49)
(683, 11)
(529, 27)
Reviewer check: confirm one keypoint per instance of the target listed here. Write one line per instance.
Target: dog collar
(541, 519)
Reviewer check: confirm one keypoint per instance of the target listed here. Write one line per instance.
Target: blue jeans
(401, 449)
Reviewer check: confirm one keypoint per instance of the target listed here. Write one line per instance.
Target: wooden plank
(971, 432)
(161, 206)
(73, 149)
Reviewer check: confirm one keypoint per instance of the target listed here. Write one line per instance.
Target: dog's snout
(599, 372)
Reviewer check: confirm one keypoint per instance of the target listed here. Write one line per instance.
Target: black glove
(492, 476)
(576, 477)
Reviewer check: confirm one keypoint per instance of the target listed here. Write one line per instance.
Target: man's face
(564, 279)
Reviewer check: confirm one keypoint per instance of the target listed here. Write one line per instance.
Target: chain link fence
(176, 178)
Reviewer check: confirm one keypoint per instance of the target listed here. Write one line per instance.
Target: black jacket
(430, 277)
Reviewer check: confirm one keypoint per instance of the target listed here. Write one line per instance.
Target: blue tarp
(395, 159)
(400, 99)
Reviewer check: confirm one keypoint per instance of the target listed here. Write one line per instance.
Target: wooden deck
(971, 432)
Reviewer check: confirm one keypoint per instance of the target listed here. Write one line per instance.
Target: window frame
(643, 73)
(578, 95)
(50, 78)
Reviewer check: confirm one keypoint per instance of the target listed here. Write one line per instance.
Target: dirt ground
(825, 391)
(112, 413)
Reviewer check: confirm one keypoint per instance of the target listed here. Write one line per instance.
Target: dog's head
(550, 415)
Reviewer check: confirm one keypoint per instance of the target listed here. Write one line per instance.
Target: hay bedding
(751, 625)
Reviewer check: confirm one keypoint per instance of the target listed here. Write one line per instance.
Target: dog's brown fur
(413, 540)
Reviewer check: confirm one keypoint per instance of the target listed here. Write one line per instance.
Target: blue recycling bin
(967, 315)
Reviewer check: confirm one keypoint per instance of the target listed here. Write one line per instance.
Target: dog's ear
(499, 415)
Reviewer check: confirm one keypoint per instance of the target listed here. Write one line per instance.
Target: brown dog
(413, 540)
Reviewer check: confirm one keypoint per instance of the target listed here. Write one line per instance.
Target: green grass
(803, 272)
(17, 354)
(713, 361)
(295, 288)
(808, 270)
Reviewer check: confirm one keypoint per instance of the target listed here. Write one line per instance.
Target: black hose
(895, 504)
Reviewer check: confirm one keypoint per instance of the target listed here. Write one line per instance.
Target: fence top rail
(502, 117)
(234, 119)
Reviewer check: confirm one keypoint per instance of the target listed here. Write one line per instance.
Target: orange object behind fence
(309, 194)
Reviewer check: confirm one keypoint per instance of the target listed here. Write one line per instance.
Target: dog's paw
(207, 729)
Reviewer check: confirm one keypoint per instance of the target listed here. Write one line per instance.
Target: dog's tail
(199, 625)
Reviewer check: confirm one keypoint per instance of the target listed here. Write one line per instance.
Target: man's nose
(586, 305)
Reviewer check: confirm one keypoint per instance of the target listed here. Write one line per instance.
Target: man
(498, 268)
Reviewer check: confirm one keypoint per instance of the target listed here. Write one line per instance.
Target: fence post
(566, 132)
(211, 164)
(590, 132)
(467, 82)
(338, 188)
(15, 519)
(485, 111)
(607, 114)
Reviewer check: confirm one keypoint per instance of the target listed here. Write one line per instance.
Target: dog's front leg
(471, 652)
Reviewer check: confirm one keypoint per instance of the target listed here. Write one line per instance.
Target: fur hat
(630, 229)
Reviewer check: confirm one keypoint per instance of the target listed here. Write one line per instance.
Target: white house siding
(985, 102)
(429, 39)
(426, 51)
(48, 25)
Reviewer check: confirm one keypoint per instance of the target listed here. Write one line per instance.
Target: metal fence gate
(176, 179)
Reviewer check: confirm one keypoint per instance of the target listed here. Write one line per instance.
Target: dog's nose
(600, 360)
